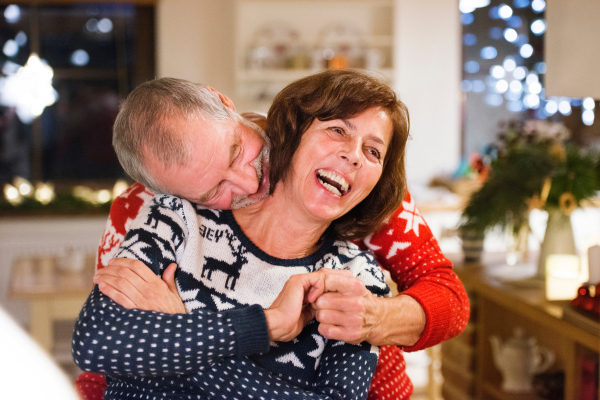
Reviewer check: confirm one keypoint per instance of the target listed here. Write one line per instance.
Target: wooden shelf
(499, 307)
(494, 391)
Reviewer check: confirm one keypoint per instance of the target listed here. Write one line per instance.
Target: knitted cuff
(437, 314)
(251, 331)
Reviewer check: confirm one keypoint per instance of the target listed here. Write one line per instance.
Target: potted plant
(533, 165)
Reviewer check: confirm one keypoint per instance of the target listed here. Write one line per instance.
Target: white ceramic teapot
(519, 359)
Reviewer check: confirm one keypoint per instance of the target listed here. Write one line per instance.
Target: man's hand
(347, 311)
(290, 312)
(132, 284)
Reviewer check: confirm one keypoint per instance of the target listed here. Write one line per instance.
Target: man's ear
(224, 99)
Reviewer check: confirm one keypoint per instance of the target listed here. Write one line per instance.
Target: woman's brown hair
(341, 94)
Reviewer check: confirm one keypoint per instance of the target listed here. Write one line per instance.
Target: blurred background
(488, 83)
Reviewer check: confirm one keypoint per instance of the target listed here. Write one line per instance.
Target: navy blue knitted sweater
(221, 348)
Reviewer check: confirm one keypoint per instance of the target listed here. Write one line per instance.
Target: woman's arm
(432, 305)
(345, 372)
(111, 339)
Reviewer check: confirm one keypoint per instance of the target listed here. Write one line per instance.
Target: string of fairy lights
(506, 66)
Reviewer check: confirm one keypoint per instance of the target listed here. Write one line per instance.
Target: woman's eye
(376, 153)
(337, 130)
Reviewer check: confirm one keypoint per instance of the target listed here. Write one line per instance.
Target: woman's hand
(348, 311)
(132, 284)
(290, 312)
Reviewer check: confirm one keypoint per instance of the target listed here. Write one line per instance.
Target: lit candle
(563, 276)
(594, 264)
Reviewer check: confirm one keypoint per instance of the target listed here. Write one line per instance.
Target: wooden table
(499, 306)
(53, 293)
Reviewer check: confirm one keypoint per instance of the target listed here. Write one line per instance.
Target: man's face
(228, 166)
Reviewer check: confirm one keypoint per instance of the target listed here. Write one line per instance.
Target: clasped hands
(342, 304)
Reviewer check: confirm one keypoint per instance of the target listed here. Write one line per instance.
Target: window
(503, 73)
(99, 53)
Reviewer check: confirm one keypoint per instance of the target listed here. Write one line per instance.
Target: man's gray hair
(145, 124)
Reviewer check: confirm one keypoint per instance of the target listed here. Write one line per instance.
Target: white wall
(195, 41)
(572, 48)
(427, 59)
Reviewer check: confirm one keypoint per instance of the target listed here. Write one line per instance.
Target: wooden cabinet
(498, 307)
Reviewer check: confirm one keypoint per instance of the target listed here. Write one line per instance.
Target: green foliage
(526, 157)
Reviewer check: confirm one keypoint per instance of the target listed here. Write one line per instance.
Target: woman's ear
(224, 99)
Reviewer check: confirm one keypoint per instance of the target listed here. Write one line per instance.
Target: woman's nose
(352, 153)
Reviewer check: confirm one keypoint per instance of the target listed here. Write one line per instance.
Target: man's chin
(245, 201)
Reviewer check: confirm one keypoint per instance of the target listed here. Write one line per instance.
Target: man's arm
(432, 305)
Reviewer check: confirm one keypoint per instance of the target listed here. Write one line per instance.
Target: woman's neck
(279, 229)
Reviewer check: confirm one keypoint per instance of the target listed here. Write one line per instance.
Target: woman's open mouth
(333, 182)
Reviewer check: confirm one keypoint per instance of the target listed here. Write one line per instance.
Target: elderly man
(198, 148)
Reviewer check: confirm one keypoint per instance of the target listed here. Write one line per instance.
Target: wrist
(272, 326)
(376, 315)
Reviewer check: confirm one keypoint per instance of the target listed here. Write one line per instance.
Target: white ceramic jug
(519, 359)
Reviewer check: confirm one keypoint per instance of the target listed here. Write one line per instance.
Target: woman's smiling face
(338, 163)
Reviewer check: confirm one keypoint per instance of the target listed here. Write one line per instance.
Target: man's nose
(246, 180)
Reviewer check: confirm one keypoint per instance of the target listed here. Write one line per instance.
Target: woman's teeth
(332, 182)
(332, 189)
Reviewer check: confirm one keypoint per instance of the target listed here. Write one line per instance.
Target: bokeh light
(564, 107)
(510, 35)
(469, 39)
(478, 86)
(538, 27)
(505, 12)
(501, 86)
(531, 101)
(494, 99)
(12, 13)
(497, 72)
(520, 73)
(538, 5)
(588, 117)
(489, 52)
(80, 58)
(509, 64)
(472, 67)
(588, 103)
(551, 107)
(526, 51)
(21, 38)
(10, 48)
(467, 18)
(466, 86)
(521, 3)
(105, 25)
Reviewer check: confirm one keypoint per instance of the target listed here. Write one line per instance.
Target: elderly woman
(337, 172)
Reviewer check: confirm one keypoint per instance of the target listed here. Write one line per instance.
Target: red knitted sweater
(404, 246)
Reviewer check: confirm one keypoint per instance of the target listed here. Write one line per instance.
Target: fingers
(335, 317)
(337, 301)
(344, 334)
(127, 287)
(116, 295)
(169, 277)
(343, 282)
(119, 276)
(136, 266)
